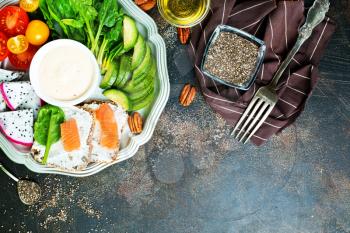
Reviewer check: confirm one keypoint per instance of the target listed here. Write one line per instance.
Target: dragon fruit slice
(17, 126)
(9, 75)
(2, 104)
(20, 95)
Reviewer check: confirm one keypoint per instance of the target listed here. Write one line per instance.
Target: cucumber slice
(118, 97)
(145, 65)
(139, 52)
(130, 33)
(124, 71)
(110, 76)
(142, 103)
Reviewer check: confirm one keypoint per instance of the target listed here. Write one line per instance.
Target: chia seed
(232, 58)
(29, 192)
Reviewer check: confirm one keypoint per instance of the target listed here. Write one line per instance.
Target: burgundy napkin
(277, 24)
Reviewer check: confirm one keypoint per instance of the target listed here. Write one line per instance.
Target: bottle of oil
(184, 13)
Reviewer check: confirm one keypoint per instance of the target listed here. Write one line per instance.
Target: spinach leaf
(96, 23)
(87, 13)
(47, 129)
(110, 38)
(73, 23)
(55, 16)
(45, 11)
(117, 51)
(108, 13)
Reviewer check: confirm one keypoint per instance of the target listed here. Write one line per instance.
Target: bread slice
(77, 159)
(99, 153)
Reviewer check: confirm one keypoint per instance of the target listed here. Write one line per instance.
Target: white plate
(148, 28)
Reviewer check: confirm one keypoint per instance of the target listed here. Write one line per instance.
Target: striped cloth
(277, 24)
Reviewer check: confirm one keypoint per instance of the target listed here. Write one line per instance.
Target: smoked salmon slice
(70, 135)
(109, 127)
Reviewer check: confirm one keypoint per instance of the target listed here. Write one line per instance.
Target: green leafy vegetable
(97, 24)
(110, 40)
(70, 19)
(47, 127)
(86, 12)
(103, 27)
(108, 14)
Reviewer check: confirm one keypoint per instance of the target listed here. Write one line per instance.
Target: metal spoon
(29, 192)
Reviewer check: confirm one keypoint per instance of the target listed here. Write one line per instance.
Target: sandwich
(90, 133)
(72, 151)
(110, 122)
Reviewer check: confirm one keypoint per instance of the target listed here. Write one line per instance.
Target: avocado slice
(118, 97)
(131, 87)
(145, 65)
(142, 103)
(151, 73)
(139, 52)
(110, 76)
(130, 33)
(142, 94)
(124, 71)
(139, 84)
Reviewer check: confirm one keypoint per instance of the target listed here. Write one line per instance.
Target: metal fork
(266, 97)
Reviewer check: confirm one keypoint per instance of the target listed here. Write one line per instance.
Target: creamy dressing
(66, 73)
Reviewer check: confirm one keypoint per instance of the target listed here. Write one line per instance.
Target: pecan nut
(140, 2)
(187, 95)
(183, 34)
(146, 5)
(135, 123)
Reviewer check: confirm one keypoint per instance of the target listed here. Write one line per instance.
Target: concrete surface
(193, 177)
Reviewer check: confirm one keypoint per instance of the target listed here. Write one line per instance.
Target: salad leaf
(47, 127)
(63, 19)
(108, 60)
(85, 21)
(108, 14)
(86, 11)
(73, 23)
(45, 11)
(110, 39)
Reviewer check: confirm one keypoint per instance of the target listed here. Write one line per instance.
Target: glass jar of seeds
(233, 57)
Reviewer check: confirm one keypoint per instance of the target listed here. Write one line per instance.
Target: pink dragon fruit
(20, 95)
(2, 104)
(17, 126)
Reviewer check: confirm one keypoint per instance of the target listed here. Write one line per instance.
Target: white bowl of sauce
(64, 73)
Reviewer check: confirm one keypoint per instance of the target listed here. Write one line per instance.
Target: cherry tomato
(29, 5)
(22, 60)
(37, 32)
(17, 44)
(13, 21)
(3, 48)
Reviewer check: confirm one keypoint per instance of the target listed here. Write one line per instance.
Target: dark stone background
(193, 177)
